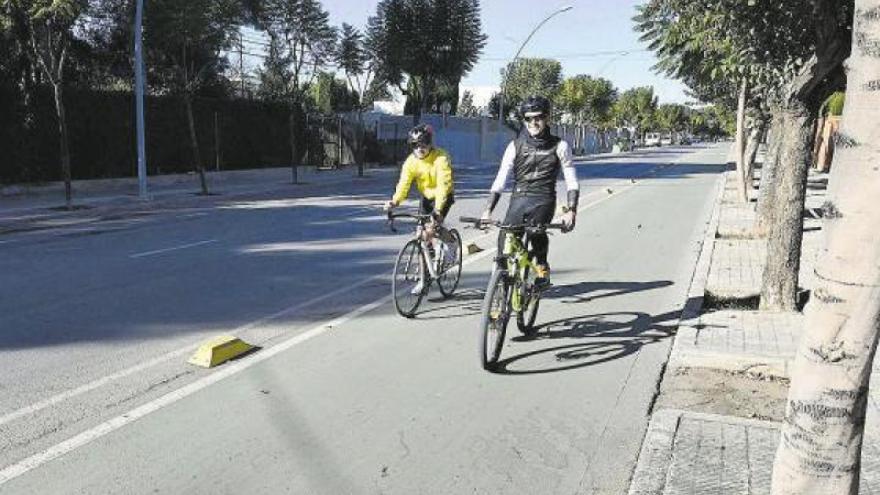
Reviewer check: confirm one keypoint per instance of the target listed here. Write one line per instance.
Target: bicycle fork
(430, 261)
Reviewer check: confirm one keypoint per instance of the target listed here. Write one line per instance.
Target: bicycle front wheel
(450, 266)
(408, 286)
(493, 322)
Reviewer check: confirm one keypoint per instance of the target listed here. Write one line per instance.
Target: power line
(575, 55)
(264, 56)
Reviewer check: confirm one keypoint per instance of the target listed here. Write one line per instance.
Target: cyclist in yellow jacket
(431, 169)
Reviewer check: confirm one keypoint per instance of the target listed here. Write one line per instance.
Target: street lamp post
(139, 98)
(501, 94)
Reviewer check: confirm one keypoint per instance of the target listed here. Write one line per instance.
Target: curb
(655, 458)
(697, 288)
(120, 204)
(653, 462)
(214, 177)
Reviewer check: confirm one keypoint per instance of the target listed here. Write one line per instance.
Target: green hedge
(253, 134)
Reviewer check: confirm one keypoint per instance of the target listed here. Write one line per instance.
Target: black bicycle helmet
(534, 105)
(421, 134)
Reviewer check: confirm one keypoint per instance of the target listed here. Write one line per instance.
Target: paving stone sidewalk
(687, 452)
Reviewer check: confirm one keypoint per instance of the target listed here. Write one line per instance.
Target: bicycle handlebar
(479, 222)
(419, 217)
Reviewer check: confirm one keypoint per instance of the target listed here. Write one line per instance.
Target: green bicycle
(511, 289)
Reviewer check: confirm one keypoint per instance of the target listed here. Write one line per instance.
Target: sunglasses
(536, 118)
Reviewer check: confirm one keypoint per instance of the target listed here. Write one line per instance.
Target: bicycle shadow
(583, 291)
(460, 305)
(606, 337)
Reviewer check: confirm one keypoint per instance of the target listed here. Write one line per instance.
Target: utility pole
(139, 99)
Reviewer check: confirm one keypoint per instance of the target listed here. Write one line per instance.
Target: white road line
(175, 248)
(88, 387)
(15, 470)
(95, 384)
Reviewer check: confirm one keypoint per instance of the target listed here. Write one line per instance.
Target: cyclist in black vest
(535, 158)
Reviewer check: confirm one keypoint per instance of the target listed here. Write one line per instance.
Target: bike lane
(332, 407)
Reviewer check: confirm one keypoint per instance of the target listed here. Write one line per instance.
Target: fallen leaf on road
(472, 248)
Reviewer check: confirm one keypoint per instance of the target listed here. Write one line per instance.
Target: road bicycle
(420, 263)
(511, 288)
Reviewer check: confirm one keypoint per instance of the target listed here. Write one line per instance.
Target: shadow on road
(602, 337)
(588, 291)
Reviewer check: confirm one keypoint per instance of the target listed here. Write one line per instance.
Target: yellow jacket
(433, 176)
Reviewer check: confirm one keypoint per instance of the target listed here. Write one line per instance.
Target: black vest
(535, 169)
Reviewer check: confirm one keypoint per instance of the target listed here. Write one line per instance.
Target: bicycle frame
(426, 253)
(433, 264)
(518, 259)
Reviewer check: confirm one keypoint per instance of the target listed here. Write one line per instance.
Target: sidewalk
(689, 451)
(41, 207)
(26, 208)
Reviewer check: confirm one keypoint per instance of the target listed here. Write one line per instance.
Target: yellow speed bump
(219, 350)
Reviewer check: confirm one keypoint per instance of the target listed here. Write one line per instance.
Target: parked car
(665, 140)
(652, 139)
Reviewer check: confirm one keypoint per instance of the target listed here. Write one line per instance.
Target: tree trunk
(780, 279)
(754, 142)
(197, 153)
(739, 148)
(65, 145)
(823, 428)
(359, 143)
(767, 189)
(417, 94)
(294, 166)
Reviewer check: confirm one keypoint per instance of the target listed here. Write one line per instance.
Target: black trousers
(427, 205)
(534, 210)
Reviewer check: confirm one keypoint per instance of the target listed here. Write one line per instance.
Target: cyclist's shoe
(542, 276)
(418, 288)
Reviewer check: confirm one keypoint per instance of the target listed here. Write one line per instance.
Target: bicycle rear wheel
(409, 270)
(494, 318)
(450, 266)
(531, 299)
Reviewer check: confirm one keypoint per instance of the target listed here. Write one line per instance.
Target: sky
(573, 37)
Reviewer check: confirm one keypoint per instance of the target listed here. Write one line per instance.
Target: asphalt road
(344, 396)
